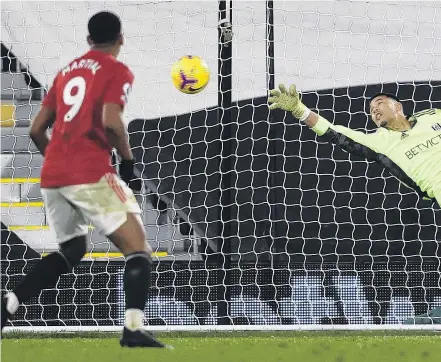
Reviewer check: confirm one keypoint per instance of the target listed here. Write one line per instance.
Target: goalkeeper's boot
(139, 338)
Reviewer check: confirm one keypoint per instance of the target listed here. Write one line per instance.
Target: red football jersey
(78, 151)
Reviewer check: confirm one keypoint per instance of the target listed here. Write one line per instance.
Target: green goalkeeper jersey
(412, 156)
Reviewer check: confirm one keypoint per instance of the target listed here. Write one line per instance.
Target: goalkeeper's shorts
(104, 204)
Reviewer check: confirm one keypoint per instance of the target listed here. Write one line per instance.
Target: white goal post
(319, 239)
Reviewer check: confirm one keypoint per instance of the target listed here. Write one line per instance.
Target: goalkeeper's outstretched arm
(354, 142)
(372, 147)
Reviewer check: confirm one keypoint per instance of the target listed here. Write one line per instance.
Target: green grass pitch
(229, 347)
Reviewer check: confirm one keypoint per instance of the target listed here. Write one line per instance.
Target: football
(190, 74)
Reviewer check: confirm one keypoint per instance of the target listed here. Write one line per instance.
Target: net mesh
(318, 236)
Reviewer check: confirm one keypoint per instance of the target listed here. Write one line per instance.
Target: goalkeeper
(408, 147)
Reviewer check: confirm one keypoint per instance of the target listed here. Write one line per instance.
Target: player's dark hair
(104, 27)
(388, 95)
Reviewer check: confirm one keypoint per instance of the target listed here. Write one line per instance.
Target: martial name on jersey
(91, 64)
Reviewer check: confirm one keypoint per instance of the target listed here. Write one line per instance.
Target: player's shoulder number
(76, 100)
(127, 88)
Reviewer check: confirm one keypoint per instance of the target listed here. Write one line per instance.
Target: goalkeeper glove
(288, 101)
(126, 168)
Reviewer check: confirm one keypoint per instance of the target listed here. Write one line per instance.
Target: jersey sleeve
(370, 146)
(119, 86)
(354, 142)
(50, 100)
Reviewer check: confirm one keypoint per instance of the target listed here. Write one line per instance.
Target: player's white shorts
(104, 204)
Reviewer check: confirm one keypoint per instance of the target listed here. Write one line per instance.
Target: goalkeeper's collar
(412, 120)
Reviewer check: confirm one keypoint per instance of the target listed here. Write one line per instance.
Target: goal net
(318, 238)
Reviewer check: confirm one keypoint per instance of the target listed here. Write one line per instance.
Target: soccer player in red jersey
(78, 183)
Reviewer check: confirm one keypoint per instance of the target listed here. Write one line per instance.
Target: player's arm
(364, 145)
(114, 101)
(369, 146)
(355, 142)
(44, 120)
(116, 130)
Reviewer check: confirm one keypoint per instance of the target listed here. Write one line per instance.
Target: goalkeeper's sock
(44, 275)
(137, 276)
